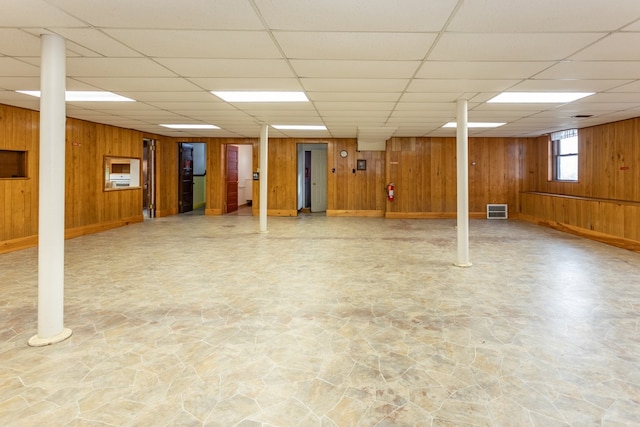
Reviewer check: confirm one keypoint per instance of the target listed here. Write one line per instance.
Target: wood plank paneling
(608, 190)
(85, 199)
(87, 205)
(19, 130)
(424, 173)
(351, 190)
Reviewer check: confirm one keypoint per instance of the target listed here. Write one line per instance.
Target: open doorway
(185, 177)
(238, 179)
(192, 161)
(312, 178)
(148, 178)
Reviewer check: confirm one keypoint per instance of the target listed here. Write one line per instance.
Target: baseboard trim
(361, 213)
(609, 239)
(70, 233)
(213, 211)
(432, 215)
(18, 244)
(166, 212)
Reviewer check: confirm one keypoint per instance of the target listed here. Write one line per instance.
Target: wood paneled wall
(87, 204)
(88, 208)
(604, 202)
(19, 130)
(352, 191)
(423, 171)
(608, 163)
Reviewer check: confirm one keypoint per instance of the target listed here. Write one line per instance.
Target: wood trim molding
(281, 212)
(216, 211)
(620, 242)
(361, 213)
(432, 215)
(18, 244)
(70, 233)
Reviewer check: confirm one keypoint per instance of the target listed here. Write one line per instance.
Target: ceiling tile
(443, 85)
(198, 44)
(618, 46)
(593, 70)
(14, 42)
(566, 85)
(355, 46)
(96, 41)
(510, 46)
(192, 14)
(353, 96)
(10, 67)
(35, 13)
(116, 84)
(211, 68)
(354, 69)
(356, 15)
(549, 16)
(351, 106)
(267, 84)
(115, 67)
(355, 85)
(499, 70)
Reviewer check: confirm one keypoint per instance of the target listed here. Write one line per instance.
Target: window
(564, 149)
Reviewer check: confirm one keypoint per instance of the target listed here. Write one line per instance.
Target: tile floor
(195, 320)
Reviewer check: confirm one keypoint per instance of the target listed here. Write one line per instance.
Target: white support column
(264, 148)
(51, 194)
(462, 168)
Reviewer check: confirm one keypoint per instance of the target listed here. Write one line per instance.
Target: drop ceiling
(398, 65)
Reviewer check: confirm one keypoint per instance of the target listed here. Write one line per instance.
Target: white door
(318, 180)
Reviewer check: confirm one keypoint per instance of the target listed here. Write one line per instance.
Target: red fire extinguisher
(390, 191)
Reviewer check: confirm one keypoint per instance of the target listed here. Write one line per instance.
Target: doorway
(185, 177)
(148, 178)
(232, 178)
(238, 178)
(312, 178)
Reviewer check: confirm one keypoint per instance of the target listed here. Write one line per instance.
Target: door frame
(300, 175)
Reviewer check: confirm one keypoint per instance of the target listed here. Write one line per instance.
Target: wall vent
(497, 211)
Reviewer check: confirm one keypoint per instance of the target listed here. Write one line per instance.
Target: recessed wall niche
(13, 164)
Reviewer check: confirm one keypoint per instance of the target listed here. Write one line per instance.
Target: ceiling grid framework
(363, 64)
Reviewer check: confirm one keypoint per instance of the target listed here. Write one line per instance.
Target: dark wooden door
(185, 177)
(232, 178)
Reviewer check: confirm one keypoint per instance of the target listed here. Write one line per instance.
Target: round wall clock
(344, 153)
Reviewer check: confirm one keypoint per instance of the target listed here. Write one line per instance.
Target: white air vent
(497, 211)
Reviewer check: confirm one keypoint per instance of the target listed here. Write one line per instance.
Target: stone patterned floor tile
(202, 321)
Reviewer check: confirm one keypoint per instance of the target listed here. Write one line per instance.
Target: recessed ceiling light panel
(84, 96)
(475, 125)
(538, 97)
(261, 96)
(299, 127)
(190, 126)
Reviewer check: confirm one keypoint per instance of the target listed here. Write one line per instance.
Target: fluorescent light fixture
(539, 97)
(84, 96)
(243, 96)
(190, 126)
(475, 125)
(299, 127)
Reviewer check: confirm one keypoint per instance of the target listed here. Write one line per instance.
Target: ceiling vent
(374, 138)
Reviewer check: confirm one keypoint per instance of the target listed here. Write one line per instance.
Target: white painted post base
(36, 341)
(460, 264)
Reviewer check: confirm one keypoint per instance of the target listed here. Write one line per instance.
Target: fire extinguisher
(390, 191)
